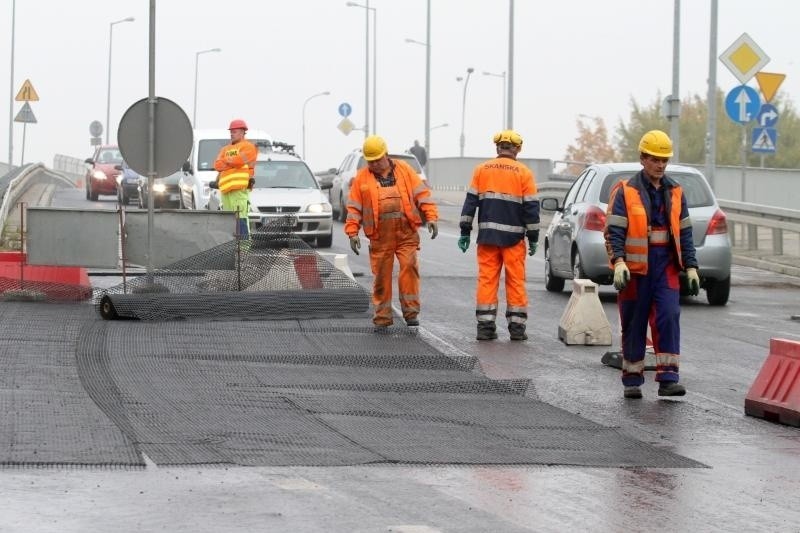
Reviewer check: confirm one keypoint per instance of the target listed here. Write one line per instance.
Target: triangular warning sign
(25, 114)
(769, 82)
(764, 142)
(27, 93)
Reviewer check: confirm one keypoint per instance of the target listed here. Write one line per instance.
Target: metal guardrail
(16, 187)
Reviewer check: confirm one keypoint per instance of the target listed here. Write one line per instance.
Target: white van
(194, 190)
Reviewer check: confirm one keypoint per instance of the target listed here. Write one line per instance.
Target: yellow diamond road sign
(346, 126)
(744, 58)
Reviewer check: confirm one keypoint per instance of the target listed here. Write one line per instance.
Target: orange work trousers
(491, 260)
(396, 238)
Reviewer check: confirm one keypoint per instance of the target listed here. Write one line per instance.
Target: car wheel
(93, 194)
(87, 189)
(718, 291)
(551, 282)
(577, 266)
(342, 209)
(326, 241)
(193, 205)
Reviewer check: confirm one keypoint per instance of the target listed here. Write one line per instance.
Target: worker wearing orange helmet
(389, 201)
(236, 163)
(503, 192)
(649, 242)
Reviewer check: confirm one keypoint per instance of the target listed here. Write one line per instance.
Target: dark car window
(694, 187)
(109, 155)
(587, 181)
(569, 199)
(288, 174)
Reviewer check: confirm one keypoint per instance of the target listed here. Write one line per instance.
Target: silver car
(574, 246)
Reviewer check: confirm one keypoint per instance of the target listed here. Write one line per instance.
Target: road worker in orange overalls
(503, 191)
(236, 164)
(390, 202)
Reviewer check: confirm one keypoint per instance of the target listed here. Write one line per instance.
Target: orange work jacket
(236, 164)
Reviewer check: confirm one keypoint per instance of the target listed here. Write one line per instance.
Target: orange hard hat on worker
(238, 124)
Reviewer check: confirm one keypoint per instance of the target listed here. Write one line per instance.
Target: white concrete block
(584, 321)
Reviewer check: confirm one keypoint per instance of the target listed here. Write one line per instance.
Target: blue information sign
(768, 116)
(742, 104)
(764, 140)
(345, 109)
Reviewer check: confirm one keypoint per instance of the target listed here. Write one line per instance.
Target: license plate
(285, 220)
(173, 197)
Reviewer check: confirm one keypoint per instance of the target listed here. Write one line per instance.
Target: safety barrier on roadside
(583, 321)
(775, 393)
(20, 281)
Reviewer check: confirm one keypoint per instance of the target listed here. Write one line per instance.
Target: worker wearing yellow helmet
(649, 239)
(389, 201)
(503, 192)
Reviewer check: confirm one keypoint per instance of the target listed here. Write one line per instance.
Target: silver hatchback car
(574, 246)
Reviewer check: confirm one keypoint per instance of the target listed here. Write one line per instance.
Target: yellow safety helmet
(657, 143)
(374, 148)
(510, 136)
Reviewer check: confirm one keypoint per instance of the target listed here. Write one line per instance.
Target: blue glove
(532, 247)
(463, 243)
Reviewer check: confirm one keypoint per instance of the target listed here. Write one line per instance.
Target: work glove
(433, 228)
(532, 247)
(463, 243)
(355, 243)
(694, 281)
(621, 275)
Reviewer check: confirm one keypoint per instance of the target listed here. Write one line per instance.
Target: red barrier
(775, 393)
(54, 282)
(305, 266)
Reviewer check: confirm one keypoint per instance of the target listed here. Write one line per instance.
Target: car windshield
(284, 174)
(694, 187)
(207, 150)
(110, 155)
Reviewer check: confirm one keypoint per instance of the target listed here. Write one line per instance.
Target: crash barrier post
(775, 393)
(583, 321)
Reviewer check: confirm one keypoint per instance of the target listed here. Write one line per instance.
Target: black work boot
(671, 388)
(517, 331)
(487, 331)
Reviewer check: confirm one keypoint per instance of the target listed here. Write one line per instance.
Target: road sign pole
(22, 155)
(744, 161)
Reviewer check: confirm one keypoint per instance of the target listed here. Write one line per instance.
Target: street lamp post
(462, 139)
(11, 90)
(501, 75)
(108, 94)
(366, 66)
(326, 93)
(196, 61)
(427, 90)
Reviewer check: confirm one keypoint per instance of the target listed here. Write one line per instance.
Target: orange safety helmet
(238, 124)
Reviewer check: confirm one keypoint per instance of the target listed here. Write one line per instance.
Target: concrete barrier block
(583, 321)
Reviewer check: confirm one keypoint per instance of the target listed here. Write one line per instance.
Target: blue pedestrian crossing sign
(764, 140)
(742, 104)
(345, 109)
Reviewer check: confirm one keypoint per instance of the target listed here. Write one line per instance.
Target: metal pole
(374, 69)
(108, 93)
(24, 132)
(744, 161)
(428, 82)
(462, 140)
(11, 90)
(196, 61)
(711, 132)
(510, 111)
(366, 71)
(674, 107)
(151, 138)
(325, 93)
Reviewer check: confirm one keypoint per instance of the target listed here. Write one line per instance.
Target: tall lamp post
(11, 90)
(427, 88)
(462, 139)
(108, 94)
(438, 126)
(326, 93)
(501, 75)
(196, 61)
(366, 66)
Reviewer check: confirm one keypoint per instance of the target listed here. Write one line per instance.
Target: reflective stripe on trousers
(395, 238)
(511, 259)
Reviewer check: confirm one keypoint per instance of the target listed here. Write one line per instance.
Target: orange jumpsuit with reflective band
(390, 217)
(236, 165)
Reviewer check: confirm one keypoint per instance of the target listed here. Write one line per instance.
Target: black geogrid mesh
(274, 274)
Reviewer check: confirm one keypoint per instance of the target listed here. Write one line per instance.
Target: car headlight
(99, 175)
(159, 187)
(319, 208)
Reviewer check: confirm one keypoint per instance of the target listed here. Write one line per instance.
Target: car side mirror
(326, 185)
(187, 167)
(118, 167)
(213, 185)
(549, 204)
(89, 161)
(333, 170)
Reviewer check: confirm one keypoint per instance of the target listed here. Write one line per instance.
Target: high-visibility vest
(236, 178)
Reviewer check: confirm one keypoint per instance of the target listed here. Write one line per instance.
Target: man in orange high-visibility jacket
(649, 241)
(236, 164)
(503, 191)
(390, 202)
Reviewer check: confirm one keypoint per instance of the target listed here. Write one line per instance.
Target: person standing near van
(236, 163)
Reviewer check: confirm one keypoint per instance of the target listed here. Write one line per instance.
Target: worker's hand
(463, 243)
(433, 228)
(532, 247)
(694, 281)
(355, 243)
(251, 183)
(621, 275)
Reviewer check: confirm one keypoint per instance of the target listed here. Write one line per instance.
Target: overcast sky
(572, 57)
